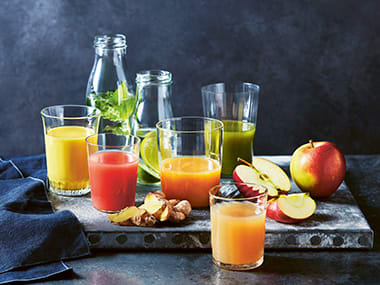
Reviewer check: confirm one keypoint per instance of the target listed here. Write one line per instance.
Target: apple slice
(266, 173)
(293, 208)
(276, 175)
(245, 174)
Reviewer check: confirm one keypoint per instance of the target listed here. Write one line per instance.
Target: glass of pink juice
(112, 164)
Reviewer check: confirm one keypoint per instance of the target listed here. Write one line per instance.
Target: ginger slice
(154, 204)
(125, 214)
(133, 216)
(165, 214)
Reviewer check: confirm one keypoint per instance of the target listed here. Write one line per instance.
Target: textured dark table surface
(280, 267)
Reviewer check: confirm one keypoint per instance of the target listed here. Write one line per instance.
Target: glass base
(108, 211)
(71, 193)
(239, 267)
(142, 182)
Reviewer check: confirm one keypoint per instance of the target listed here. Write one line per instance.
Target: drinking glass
(65, 129)
(112, 163)
(238, 227)
(190, 151)
(236, 105)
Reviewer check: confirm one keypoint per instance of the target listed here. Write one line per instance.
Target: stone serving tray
(337, 223)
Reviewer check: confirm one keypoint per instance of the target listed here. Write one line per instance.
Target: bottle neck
(104, 52)
(154, 77)
(110, 45)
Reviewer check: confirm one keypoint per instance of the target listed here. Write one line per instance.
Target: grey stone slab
(337, 223)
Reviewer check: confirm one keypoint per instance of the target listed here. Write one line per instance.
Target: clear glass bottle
(108, 86)
(154, 91)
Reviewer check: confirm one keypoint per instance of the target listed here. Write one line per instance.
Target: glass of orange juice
(237, 227)
(65, 129)
(190, 157)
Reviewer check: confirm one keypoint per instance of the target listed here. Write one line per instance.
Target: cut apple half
(246, 174)
(273, 173)
(292, 208)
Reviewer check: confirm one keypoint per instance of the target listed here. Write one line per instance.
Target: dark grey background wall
(317, 62)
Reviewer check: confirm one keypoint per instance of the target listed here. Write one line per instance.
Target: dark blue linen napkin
(34, 239)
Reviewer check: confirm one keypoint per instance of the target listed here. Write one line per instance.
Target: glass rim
(110, 41)
(206, 88)
(96, 110)
(137, 140)
(220, 123)
(259, 195)
(154, 76)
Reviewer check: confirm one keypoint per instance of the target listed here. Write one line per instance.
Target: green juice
(237, 142)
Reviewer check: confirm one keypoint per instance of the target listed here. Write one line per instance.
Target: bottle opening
(154, 76)
(110, 41)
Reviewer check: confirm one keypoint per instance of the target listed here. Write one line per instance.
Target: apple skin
(274, 212)
(246, 190)
(318, 168)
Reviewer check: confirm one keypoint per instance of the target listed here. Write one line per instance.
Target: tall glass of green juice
(237, 142)
(236, 106)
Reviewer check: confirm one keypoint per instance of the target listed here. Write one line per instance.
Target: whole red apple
(318, 168)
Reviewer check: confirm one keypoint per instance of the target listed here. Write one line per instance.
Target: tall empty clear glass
(236, 105)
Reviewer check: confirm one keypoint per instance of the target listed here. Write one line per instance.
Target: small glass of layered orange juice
(190, 157)
(237, 226)
(65, 129)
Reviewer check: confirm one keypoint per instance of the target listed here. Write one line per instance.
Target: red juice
(113, 176)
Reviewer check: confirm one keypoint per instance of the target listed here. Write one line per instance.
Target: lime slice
(149, 152)
(146, 176)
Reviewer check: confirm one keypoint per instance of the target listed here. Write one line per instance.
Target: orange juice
(66, 157)
(189, 178)
(237, 232)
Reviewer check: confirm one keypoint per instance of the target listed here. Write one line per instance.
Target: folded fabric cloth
(34, 239)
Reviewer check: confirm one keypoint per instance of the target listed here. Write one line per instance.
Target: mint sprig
(116, 106)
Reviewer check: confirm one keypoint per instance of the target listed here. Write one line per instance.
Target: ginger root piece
(155, 207)
(145, 220)
(176, 212)
(183, 206)
(154, 204)
(133, 216)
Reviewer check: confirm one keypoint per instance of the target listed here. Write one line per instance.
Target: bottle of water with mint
(108, 87)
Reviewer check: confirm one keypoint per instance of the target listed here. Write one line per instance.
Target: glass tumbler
(238, 227)
(112, 163)
(190, 151)
(65, 129)
(236, 105)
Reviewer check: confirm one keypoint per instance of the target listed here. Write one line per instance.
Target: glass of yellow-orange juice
(65, 129)
(190, 157)
(238, 227)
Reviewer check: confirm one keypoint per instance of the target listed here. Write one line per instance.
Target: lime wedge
(146, 176)
(149, 152)
(148, 170)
